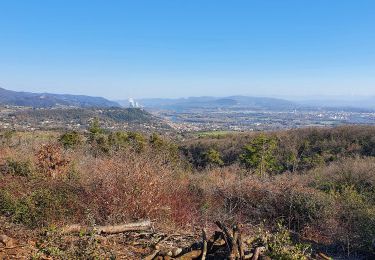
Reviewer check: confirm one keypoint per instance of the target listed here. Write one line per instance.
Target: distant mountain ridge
(40, 100)
(261, 103)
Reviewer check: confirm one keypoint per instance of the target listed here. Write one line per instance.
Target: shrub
(71, 139)
(358, 173)
(26, 210)
(99, 144)
(7, 203)
(306, 207)
(42, 207)
(213, 157)
(137, 141)
(6, 137)
(156, 141)
(126, 187)
(260, 155)
(357, 221)
(19, 168)
(118, 140)
(95, 128)
(51, 160)
(279, 244)
(98, 138)
(351, 184)
(229, 195)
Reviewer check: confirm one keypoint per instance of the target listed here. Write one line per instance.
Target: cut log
(234, 254)
(191, 255)
(204, 250)
(257, 252)
(248, 256)
(216, 240)
(176, 252)
(227, 237)
(240, 244)
(137, 226)
(152, 256)
(6, 241)
(74, 229)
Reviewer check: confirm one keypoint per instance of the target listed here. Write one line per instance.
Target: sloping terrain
(79, 118)
(9, 97)
(74, 194)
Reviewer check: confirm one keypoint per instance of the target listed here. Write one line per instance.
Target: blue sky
(177, 48)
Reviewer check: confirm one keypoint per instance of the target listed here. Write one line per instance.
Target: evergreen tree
(260, 154)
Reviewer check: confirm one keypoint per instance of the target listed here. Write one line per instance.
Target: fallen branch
(152, 256)
(204, 250)
(137, 226)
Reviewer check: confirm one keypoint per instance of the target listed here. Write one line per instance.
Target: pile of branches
(223, 244)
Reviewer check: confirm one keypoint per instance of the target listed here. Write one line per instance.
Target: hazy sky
(174, 48)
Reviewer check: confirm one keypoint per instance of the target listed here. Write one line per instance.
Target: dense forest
(83, 115)
(284, 151)
(315, 184)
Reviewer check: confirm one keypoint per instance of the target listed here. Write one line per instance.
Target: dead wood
(152, 256)
(257, 252)
(204, 250)
(137, 226)
(223, 244)
(234, 254)
(240, 244)
(227, 237)
(7, 241)
(248, 256)
(191, 255)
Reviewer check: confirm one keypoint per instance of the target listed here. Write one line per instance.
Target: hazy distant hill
(364, 103)
(214, 102)
(38, 100)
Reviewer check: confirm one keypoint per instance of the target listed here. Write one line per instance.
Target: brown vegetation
(317, 184)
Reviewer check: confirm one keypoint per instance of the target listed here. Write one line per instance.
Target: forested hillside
(297, 193)
(80, 118)
(47, 100)
(279, 152)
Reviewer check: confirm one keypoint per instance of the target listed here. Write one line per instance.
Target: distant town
(35, 111)
(232, 120)
(259, 115)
